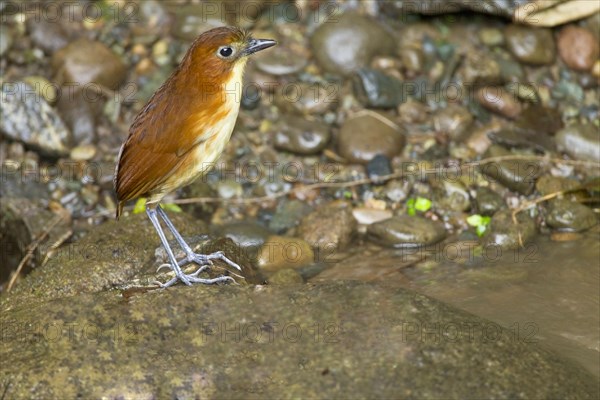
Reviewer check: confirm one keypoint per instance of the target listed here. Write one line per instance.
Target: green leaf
(480, 230)
(171, 207)
(475, 220)
(422, 204)
(140, 206)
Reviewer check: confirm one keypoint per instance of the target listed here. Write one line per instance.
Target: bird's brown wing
(158, 139)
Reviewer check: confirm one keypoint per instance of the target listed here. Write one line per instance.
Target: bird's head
(217, 53)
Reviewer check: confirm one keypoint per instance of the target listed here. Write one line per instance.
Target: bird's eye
(225, 51)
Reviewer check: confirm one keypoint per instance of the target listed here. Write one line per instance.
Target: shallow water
(547, 293)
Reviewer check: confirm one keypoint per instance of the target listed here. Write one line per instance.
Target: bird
(180, 133)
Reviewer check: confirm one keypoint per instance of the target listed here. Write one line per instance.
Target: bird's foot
(205, 261)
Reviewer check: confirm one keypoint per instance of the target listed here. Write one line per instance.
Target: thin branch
(31, 248)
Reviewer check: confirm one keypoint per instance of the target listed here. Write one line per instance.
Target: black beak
(255, 45)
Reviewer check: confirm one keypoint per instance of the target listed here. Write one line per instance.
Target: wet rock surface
(406, 231)
(531, 45)
(363, 137)
(330, 227)
(570, 216)
(340, 328)
(349, 42)
(580, 142)
(506, 234)
(300, 136)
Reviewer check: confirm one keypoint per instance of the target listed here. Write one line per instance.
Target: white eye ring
(226, 52)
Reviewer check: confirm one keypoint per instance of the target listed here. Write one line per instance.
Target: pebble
(454, 196)
(280, 252)
(517, 175)
(378, 166)
(6, 39)
(491, 36)
(453, 120)
(487, 201)
(374, 89)
(288, 215)
(548, 184)
(580, 141)
(307, 98)
(193, 19)
(228, 189)
(570, 216)
(363, 137)
(328, 227)
(349, 43)
(284, 61)
(529, 45)
(80, 114)
(481, 68)
(300, 135)
(248, 236)
(577, 47)
(505, 234)
(368, 216)
(413, 112)
(85, 61)
(43, 87)
(47, 35)
(83, 152)
(397, 190)
(406, 231)
(31, 120)
(499, 101)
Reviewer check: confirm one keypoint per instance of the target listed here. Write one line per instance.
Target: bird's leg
(204, 260)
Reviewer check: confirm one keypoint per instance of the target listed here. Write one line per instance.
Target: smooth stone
(413, 112)
(480, 68)
(529, 45)
(307, 98)
(300, 135)
(229, 189)
(284, 61)
(397, 190)
(363, 137)
(580, 141)
(517, 175)
(43, 87)
(505, 234)
(453, 120)
(499, 101)
(548, 184)
(328, 227)
(50, 36)
(491, 36)
(83, 152)
(80, 114)
(23, 222)
(570, 216)
(453, 196)
(6, 39)
(578, 47)
(368, 216)
(89, 62)
(245, 234)
(279, 252)
(329, 340)
(374, 89)
(406, 231)
(193, 19)
(288, 215)
(31, 120)
(286, 276)
(349, 42)
(379, 166)
(487, 201)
